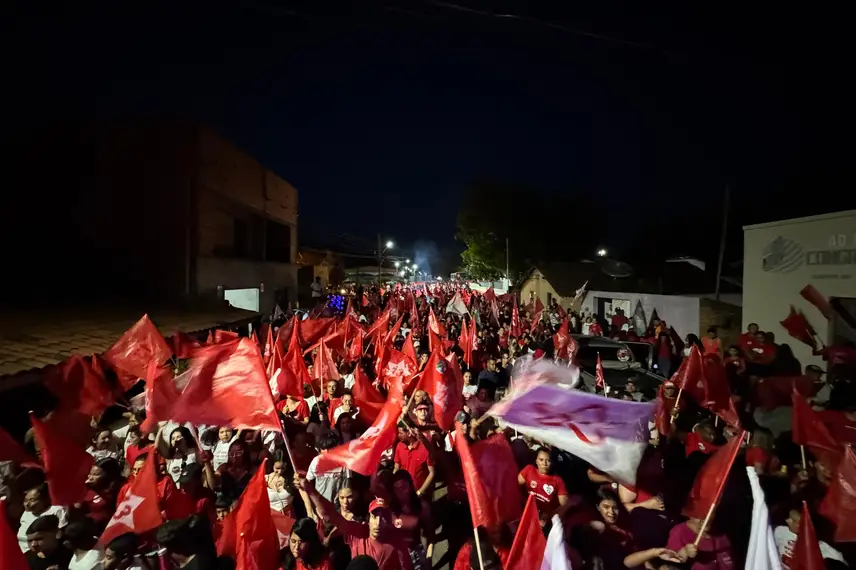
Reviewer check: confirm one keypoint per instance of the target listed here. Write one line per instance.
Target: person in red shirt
(412, 456)
(295, 409)
(701, 439)
(711, 343)
(103, 484)
(379, 539)
(549, 490)
(734, 361)
(747, 339)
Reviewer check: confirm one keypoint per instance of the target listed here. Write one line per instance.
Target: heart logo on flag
(548, 489)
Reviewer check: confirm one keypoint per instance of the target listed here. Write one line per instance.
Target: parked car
(622, 361)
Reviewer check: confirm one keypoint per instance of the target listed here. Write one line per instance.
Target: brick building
(154, 209)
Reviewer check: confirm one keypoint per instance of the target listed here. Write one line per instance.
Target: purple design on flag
(592, 418)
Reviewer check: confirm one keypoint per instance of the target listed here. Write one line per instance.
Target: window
(278, 243)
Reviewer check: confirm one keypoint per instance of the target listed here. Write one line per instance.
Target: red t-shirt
(300, 413)
(546, 488)
(763, 353)
(415, 461)
(711, 345)
(747, 342)
(325, 564)
(387, 555)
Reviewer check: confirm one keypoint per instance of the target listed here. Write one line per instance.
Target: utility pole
(722, 242)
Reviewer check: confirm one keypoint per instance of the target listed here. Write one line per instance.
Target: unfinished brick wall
(724, 316)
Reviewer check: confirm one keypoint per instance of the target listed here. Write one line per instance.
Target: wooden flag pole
(478, 548)
(802, 455)
(675, 408)
(704, 524)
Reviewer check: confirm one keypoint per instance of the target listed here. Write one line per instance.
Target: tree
(539, 227)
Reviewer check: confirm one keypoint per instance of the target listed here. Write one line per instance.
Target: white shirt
(279, 500)
(221, 452)
(173, 466)
(317, 289)
(328, 483)
(786, 540)
(28, 518)
(89, 560)
(349, 381)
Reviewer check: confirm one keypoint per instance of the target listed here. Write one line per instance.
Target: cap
(422, 406)
(668, 384)
(814, 368)
(378, 503)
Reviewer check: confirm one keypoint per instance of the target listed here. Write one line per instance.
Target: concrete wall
(725, 316)
(682, 313)
(780, 258)
(212, 272)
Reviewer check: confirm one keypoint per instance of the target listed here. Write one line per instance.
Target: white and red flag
(457, 305)
(610, 434)
(138, 511)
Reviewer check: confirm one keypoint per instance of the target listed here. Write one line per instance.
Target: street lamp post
(380, 252)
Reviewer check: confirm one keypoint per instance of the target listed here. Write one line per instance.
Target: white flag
(762, 553)
(457, 306)
(555, 555)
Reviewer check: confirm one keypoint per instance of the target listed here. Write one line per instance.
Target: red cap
(378, 503)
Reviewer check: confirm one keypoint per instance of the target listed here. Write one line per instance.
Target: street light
(406, 261)
(601, 252)
(380, 253)
(397, 263)
(389, 245)
(415, 267)
(439, 279)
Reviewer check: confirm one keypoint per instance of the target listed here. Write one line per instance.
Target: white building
(780, 258)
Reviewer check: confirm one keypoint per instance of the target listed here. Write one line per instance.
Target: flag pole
(802, 454)
(704, 524)
(675, 408)
(478, 547)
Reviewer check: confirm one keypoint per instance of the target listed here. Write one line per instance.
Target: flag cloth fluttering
(839, 504)
(130, 355)
(66, 464)
(807, 554)
(527, 550)
(710, 480)
(762, 553)
(610, 434)
(138, 511)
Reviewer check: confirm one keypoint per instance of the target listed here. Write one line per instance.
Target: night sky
(400, 104)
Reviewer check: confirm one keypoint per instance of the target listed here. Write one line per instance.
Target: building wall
(726, 317)
(246, 224)
(781, 258)
(537, 287)
(215, 274)
(680, 312)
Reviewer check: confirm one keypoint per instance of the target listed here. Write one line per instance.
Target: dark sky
(653, 108)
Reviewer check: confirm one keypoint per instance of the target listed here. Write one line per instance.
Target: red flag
(11, 450)
(561, 342)
(367, 398)
(334, 342)
(130, 355)
(710, 479)
(363, 454)
(355, 353)
(490, 294)
(183, 345)
(257, 540)
(221, 336)
(807, 555)
(11, 556)
(77, 384)
(161, 394)
(408, 350)
(599, 381)
(324, 368)
(807, 429)
(442, 379)
(466, 344)
(289, 379)
(269, 344)
(813, 296)
(435, 325)
(839, 504)
(66, 464)
(527, 551)
(379, 328)
(798, 327)
(536, 320)
(255, 338)
(138, 511)
(313, 330)
(490, 476)
(704, 380)
(516, 331)
(230, 380)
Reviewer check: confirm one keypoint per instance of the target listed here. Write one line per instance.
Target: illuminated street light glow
(397, 263)
(415, 267)
(401, 273)
(406, 261)
(601, 252)
(439, 279)
(389, 244)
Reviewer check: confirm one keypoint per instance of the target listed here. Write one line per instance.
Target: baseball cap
(422, 406)
(668, 384)
(378, 503)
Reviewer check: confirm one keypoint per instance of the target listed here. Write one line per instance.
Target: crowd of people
(397, 514)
